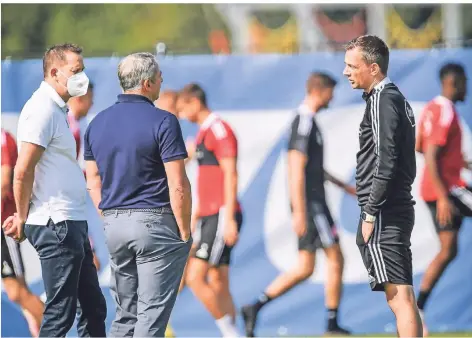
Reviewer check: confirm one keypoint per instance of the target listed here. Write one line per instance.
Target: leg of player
(283, 283)
(32, 306)
(333, 288)
(197, 281)
(81, 319)
(184, 276)
(401, 299)
(447, 253)
(387, 257)
(219, 282)
(182, 282)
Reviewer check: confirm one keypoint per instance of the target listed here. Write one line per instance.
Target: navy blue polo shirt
(130, 142)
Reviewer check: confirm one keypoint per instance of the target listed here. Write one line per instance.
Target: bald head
(167, 101)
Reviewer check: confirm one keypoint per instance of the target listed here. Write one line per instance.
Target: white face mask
(77, 84)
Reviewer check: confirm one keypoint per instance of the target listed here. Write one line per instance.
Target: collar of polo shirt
(133, 98)
(54, 95)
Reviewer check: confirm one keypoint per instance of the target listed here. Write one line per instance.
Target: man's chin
(354, 85)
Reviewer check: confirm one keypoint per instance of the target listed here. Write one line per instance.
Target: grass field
(441, 334)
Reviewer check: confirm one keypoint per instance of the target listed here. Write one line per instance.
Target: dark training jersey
(305, 136)
(386, 163)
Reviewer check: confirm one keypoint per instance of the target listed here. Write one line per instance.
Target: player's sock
(226, 326)
(422, 298)
(261, 301)
(332, 319)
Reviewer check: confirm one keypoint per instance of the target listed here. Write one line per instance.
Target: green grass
(431, 334)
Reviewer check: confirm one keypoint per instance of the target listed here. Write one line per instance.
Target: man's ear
(146, 84)
(53, 72)
(375, 69)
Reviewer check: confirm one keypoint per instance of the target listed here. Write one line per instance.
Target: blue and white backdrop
(256, 95)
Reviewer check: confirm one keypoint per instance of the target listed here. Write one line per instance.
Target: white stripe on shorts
(219, 241)
(197, 235)
(463, 195)
(323, 226)
(376, 252)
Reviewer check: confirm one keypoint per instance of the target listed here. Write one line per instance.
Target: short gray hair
(136, 68)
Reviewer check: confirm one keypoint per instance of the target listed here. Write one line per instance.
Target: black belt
(161, 210)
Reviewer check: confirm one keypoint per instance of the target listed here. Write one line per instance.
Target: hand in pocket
(367, 230)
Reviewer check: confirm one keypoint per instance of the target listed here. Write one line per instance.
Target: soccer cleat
(337, 331)
(169, 332)
(250, 317)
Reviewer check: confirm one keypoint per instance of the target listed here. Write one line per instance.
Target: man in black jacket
(386, 169)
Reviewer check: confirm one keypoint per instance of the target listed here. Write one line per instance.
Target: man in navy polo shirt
(134, 155)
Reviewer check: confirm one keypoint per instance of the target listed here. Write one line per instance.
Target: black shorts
(209, 239)
(12, 262)
(321, 230)
(461, 197)
(387, 255)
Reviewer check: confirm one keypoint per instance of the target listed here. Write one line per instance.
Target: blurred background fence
(119, 29)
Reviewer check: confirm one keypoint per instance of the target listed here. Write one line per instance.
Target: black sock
(422, 298)
(332, 318)
(261, 301)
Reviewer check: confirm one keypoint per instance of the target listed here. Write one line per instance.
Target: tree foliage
(104, 29)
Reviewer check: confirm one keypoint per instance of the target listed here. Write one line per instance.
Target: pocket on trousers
(163, 224)
(60, 230)
(29, 233)
(359, 238)
(179, 236)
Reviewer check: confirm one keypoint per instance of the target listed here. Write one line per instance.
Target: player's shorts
(387, 255)
(321, 231)
(12, 262)
(209, 238)
(461, 197)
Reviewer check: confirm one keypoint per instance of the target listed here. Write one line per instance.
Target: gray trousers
(147, 259)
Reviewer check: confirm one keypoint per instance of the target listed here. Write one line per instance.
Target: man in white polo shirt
(50, 191)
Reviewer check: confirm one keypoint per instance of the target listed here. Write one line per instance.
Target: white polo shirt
(59, 187)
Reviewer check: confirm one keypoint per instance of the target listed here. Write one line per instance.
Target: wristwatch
(367, 218)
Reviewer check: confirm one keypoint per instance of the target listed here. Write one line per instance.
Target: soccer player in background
(312, 220)
(448, 199)
(79, 107)
(219, 213)
(13, 271)
(168, 101)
